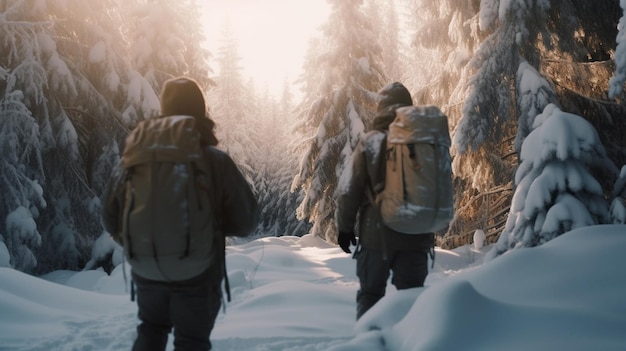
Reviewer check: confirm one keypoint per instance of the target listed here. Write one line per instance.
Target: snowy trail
(110, 332)
(274, 283)
(282, 344)
(288, 293)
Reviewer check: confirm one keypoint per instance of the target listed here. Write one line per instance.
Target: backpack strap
(152, 214)
(153, 162)
(437, 204)
(191, 185)
(129, 203)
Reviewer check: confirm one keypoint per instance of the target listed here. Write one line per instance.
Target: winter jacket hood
(393, 94)
(183, 96)
(391, 97)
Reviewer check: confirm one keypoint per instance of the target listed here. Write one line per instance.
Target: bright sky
(272, 35)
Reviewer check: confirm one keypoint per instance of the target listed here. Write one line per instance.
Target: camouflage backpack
(168, 220)
(417, 195)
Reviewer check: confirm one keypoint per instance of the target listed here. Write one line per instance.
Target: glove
(344, 239)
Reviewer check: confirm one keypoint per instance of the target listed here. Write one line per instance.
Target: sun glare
(272, 35)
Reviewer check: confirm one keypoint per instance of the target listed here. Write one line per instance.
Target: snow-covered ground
(293, 293)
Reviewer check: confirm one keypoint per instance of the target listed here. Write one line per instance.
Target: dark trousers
(190, 308)
(409, 269)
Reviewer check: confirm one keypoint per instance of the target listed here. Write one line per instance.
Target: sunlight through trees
(75, 78)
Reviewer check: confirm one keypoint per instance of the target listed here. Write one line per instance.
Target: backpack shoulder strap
(375, 183)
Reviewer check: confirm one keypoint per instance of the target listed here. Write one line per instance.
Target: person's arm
(113, 203)
(351, 190)
(239, 213)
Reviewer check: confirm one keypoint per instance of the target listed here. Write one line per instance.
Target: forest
(75, 79)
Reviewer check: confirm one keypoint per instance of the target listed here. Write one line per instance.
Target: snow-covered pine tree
(68, 65)
(578, 63)
(473, 56)
(339, 84)
(388, 23)
(276, 169)
(36, 80)
(489, 107)
(166, 38)
(555, 189)
(444, 36)
(21, 174)
(288, 200)
(270, 137)
(232, 106)
(89, 44)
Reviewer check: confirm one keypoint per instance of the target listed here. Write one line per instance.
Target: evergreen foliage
(69, 93)
(340, 83)
(254, 129)
(497, 64)
(555, 190)
(74, 79)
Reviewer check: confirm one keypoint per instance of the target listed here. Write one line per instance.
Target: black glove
(344, 239)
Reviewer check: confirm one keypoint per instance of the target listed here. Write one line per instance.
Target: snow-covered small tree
(555, 189)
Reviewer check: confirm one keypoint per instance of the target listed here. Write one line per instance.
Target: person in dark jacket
(381, 250)
(190, 306)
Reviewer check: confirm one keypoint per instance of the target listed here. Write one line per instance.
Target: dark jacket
(355, 196)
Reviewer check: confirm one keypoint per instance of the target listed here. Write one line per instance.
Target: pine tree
(387, 24)
(489, 109)
(232, 105)
(494, 66)
(338, 105)
(166, 41)
(556, 191)
(65, 75)
(277, 168)
(444, 36)
(21, 176)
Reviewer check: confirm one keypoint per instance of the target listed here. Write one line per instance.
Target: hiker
(380, 248)
(174, 239)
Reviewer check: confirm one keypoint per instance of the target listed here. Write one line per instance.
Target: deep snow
(293, 293)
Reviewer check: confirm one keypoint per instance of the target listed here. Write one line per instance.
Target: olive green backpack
(168, 219)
